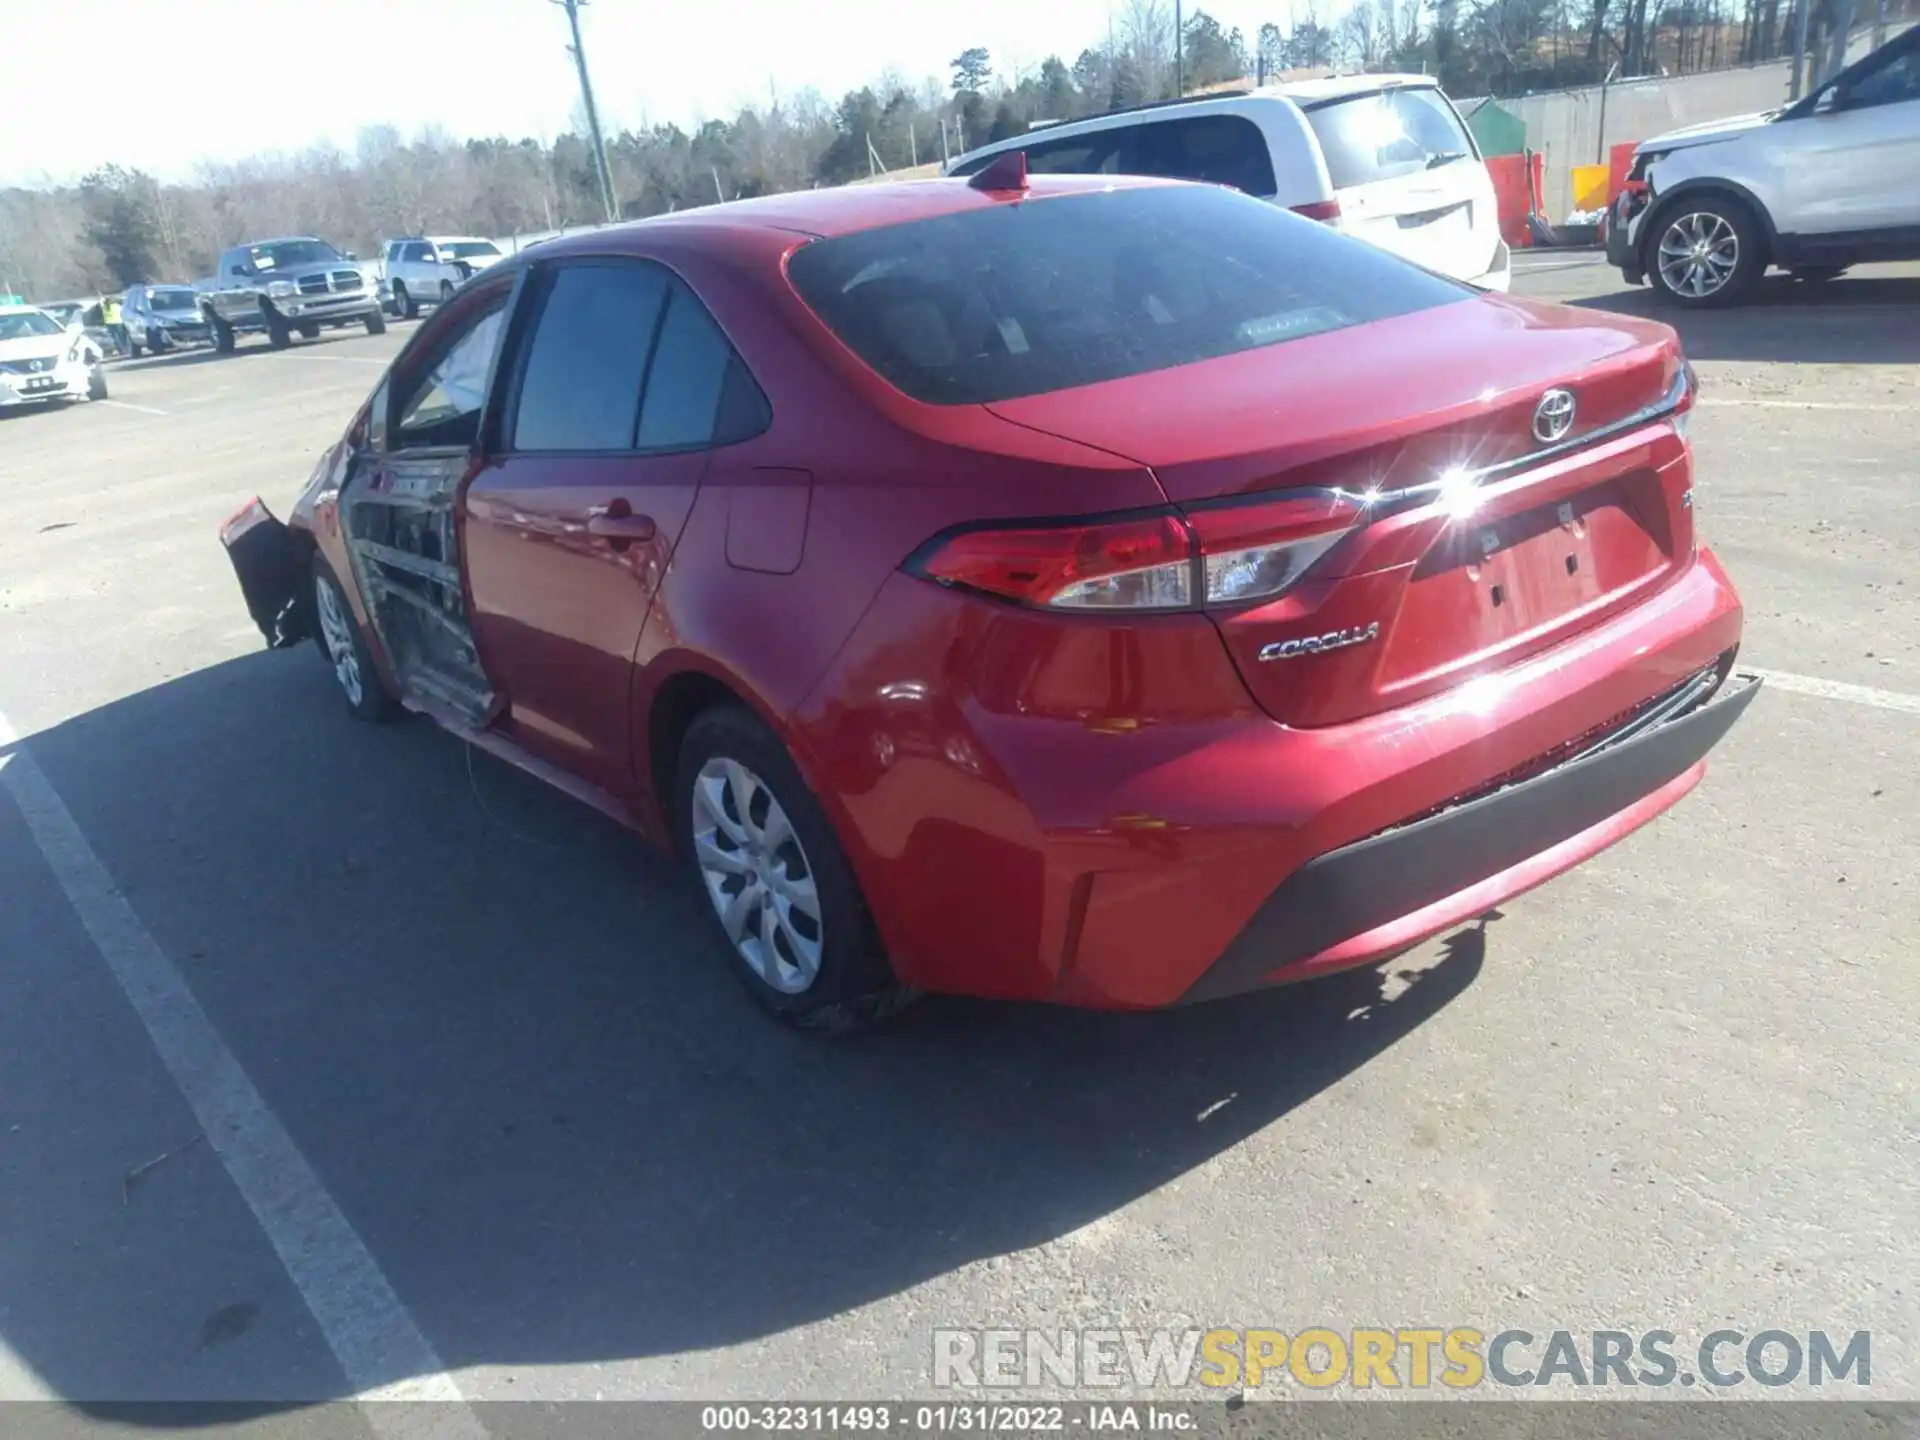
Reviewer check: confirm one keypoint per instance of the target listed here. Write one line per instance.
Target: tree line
(119, 226)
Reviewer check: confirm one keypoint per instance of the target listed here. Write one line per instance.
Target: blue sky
(470, 66)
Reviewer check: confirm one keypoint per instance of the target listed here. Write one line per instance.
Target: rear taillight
(1220, 556)
(1328, 210)
(1134, 564)
(1253, 552)
(1686, 388)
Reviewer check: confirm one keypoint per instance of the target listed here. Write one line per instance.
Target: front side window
(584, 367)
(442, 406)
(1012, 300)
(1387, 135)
(1891, 84)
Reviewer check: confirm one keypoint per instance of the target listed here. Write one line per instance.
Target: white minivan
(1384, 158)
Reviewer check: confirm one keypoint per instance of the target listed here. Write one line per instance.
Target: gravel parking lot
(541, 1148)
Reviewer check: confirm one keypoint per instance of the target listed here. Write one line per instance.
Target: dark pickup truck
(281, 288)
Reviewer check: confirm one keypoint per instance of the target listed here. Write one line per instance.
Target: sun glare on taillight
(1114, 565)
(1251, 552)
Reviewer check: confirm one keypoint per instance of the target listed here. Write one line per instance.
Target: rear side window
(1007, 300)
(1219, 149)
(689, 371)
(580, 382)
(1386, 135)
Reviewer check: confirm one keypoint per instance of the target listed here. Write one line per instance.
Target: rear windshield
(1020, 299)
(1388, 134)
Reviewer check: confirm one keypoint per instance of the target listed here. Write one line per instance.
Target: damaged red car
(1118, 593)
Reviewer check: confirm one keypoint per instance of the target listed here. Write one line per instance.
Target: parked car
(1823, 184)
(1385, 158)
(280, 287)
(42, 360)
(163, 317)
(91, 319)
(1110, 592)
(427, 269)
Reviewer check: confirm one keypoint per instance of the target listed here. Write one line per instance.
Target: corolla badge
(1553, 416)
(1320, 644)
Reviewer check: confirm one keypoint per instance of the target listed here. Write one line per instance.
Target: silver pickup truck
(286, 287)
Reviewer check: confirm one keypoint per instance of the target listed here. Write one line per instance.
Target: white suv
(1384, 158)
(1829, 182)
(427, 269)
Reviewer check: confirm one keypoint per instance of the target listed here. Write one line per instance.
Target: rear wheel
(781, 894)
(97, 382)
(133, 349)
(446, 291)
(1706, 253)
(345, 649)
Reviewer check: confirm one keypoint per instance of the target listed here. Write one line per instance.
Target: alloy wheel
(757, 875)
(1699, 253)
(336, 630)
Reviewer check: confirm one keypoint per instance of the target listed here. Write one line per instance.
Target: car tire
(1705, 253)
(446, 291)
(377, 323)
(344, 648)
(279, 334)
(222, 336)
(133, 350)
(97, 383)
(735, 787)
(309, 331)
(403, 302)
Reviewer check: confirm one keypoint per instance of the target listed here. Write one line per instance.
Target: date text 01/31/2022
(909, 1418)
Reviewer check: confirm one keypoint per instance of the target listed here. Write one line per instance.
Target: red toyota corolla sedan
(1110, 592)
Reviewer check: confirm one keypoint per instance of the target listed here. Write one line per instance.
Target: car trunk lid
(1482, 544)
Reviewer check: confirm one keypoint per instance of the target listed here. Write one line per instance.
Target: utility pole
(1179, 53)
(572, 7)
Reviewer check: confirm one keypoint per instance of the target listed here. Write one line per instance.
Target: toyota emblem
(1553, 416)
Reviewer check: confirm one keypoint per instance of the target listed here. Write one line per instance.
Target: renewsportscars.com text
(1416, 1358)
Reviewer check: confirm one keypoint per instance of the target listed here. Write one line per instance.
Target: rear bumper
(1372, 898)
(1060, 825)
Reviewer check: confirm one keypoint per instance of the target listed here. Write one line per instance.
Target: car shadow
(1854, 320)
(248, 345)
(495, 1025)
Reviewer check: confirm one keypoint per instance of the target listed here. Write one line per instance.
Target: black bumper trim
(1367, 884)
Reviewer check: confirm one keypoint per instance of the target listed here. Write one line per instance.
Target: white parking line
(126, 405)
(379, 1346)
(1839, 690)
(1728, 403)
(336, 359)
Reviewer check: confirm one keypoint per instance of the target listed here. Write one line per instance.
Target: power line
(572, 7)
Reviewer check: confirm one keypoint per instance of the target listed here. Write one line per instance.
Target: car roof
(1342, 87)
(844, 210)
(1269, 99)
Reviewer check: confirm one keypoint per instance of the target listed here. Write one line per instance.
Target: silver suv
(284, 287)
(160, 317)
(1826, 183)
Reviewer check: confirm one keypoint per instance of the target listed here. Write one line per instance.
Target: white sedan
(40, 360)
